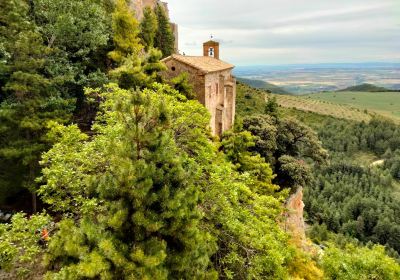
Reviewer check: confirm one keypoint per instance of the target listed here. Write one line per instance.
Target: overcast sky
(255, 32)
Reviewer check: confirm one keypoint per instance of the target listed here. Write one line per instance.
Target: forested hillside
(352, 197)
(126, 180)
(366, 88)
(109, 171)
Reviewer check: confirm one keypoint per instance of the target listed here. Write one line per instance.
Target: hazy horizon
(281, 32)
(342, 64)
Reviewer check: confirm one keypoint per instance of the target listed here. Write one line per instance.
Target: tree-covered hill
(263, 85)
(367, 88)
(346, 195)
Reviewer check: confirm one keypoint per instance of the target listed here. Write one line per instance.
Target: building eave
(176, 58)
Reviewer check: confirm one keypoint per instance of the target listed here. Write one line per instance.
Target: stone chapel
(213, 83)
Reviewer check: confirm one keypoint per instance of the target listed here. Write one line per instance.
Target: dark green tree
(152, 66)
(148, 28)
(164, 40)
(285, 144)
(271, 108)
(77, 35)
(237, 146)
(30, 100)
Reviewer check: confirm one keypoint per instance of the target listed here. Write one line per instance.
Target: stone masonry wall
(215, 99)
(216, 91)
(196, 77)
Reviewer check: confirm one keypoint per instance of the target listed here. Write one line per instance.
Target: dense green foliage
(138, 188)
(377, 136)
(30, 97)
(127, 48)
(352, 196)
(145, 220)
(346, 195)
(19, 243)
(356, 201)
(354, 263)
(361, 199)
(49, 52)
(143, 181)
(285, 143)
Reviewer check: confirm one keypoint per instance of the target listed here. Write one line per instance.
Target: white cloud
(288, 31)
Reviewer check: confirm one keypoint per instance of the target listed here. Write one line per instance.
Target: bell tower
(211, 48)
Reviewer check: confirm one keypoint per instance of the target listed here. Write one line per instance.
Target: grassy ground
(382, 103)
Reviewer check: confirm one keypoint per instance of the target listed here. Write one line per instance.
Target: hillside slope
(382, 103)
(366, 88)
(259, 84)
(252, 100)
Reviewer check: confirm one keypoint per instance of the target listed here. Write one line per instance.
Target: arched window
(211, 52)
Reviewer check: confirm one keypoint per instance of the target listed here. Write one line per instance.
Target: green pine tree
(152, 66)
(164, 40)
(148, 28)
(30, 101)
(127, 48)
(144, 218)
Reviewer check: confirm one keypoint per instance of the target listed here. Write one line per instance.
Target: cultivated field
(323, 107)
(382, 103)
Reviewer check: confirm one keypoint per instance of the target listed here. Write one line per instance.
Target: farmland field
(322, 107)
(382, 103)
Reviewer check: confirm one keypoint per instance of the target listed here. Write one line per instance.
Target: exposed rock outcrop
(138, 6)
(295, 219)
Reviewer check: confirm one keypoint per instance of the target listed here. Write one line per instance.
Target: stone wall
(230, 103)
(218, 100)
(196, 77)
(216, 91)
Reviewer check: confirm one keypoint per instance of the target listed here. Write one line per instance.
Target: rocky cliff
(294, 222)
(138, 6)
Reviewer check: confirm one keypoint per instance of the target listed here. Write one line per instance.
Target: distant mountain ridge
(259, 84)
(367, 88)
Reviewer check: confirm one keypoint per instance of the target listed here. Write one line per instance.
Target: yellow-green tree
(137, 214)
(127, 48)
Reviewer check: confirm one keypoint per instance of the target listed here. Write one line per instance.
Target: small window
(173, 68)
